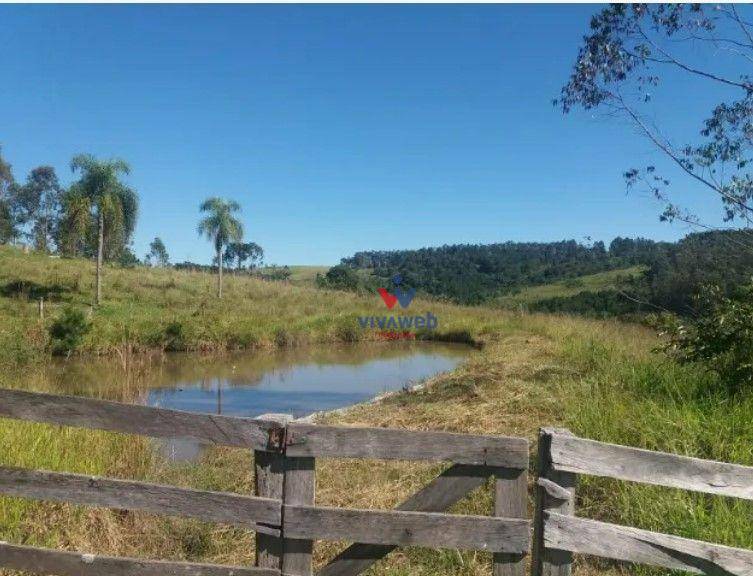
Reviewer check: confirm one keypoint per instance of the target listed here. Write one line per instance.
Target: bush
(68, 330)
(339, 277)
(720, 337)
(174, 337)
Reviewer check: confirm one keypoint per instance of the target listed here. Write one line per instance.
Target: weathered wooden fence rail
(287, 520)
(558, 533)
(283, 512)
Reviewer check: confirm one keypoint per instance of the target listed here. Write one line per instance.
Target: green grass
(598, 378)
(143, 306)
(306, 275)
(588, 283)
(301, 275)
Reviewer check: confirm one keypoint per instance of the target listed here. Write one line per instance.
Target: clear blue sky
(338, 128)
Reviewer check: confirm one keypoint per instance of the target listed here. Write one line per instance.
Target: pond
(297, 381)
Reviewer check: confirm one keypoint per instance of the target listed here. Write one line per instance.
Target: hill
(475, 273)
(598, 378)
(570, 277)
(305, 275)
(168, 309)
(600, 281)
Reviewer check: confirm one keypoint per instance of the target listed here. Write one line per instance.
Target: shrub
(720, 337)
(67, 331)
(348, 331)
(339, 277)
(175, 337)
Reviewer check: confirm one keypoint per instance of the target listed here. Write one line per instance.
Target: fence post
(550, 498)
(269, 484)
(300, 487)
(510, 501)
(291, 480)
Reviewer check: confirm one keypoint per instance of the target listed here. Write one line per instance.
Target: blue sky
(338, 128)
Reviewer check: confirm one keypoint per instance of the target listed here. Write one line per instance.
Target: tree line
(676, 273)
(95, 217)
(476, 273)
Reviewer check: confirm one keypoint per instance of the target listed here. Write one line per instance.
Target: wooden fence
(287, 521)
(283, 511)
(558, 533)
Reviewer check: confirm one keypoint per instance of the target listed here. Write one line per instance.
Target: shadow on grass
(32, 290)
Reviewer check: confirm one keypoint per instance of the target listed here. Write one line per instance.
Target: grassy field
(598, 378)
(588, 283)
(304, 275)
(151, 309)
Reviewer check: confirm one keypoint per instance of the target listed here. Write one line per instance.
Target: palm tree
(220, 227)
(113, 204)
(75, 222)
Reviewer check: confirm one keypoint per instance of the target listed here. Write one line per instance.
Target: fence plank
(143, 420)
(269, 479)
(300, 487)
(46, 561)
(584, 456)
(641, 546)
(243, 511)
(555, 492)
(510, 501)
(391, 444)
(408, 528)
(445, 490)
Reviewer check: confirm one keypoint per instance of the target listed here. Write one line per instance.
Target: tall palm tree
(112, 204)
(221, 227)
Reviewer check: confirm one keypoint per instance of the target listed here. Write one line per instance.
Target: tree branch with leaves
(622, 60)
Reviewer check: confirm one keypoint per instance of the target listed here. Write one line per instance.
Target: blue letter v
(405, 298)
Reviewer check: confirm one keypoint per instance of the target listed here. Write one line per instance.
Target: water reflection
(294, 381)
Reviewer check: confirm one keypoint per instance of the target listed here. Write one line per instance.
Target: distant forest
(674, 274)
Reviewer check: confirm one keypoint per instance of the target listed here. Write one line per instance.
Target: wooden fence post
(510, 501)
(555, 492)
(299, 489)
(293, 481)
(269, 479)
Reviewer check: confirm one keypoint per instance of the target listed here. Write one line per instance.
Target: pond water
(297, 381)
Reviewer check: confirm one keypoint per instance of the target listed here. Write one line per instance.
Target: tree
(112, 204)
(621, 62)
(221, 227)
(38, 203)
(8, 229)
(127, 259)
(243, 251)
(158, 253)
(75, 222)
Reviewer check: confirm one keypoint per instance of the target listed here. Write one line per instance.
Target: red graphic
(391, 335)
(388, 298)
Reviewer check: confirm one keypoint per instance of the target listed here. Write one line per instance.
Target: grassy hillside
(301, 275)
(305, 275)
(148, 309)
(599, 378)
(611, 279)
